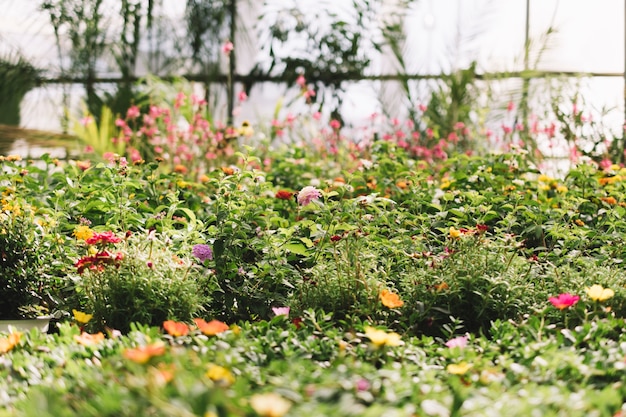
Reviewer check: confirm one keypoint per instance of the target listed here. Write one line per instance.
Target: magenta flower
(103, 238)
(564, 300)
(308, 194)
(459, 342)
(202, 252)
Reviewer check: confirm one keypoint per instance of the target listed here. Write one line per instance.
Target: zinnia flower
(8, 343)
(598, 293)
(269, 405)
(202, 252)
(82, 318)
(459, 369)
(176, 328)
(459, 342)
(142, 354)
(381, 337)
(220, 374)
(103, 238)
(284, 195)
(454, 233)
(281, 311)
(87, 339)
(308, 194)
(564, 300)
(390, 299)
(212, 327)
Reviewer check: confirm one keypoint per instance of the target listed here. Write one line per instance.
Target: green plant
(139, 279)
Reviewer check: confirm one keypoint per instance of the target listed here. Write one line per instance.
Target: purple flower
(308, 194)
(202, 252)
(459, 342)
(281, 311)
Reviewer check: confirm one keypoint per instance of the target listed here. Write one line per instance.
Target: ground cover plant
(401, 274)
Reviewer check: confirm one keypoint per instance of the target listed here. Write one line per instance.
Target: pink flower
(281, 311)
(308, 194)
(227, 48)
(564, 300)
(510, 106)
(606, 164)
(459, 342)
(180, 100)
(335, 124)
(242, 96)
(301, 81)
(132, 112)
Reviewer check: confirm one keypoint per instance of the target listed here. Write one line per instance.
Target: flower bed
(294, 283)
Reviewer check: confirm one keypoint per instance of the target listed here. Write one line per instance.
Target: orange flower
(403, 185)
(163, 373)
(180, 169)
(390, 299)
(441, 287)
(142, 354)
(176, 328)
(8, 343)
(211, 328)
(228, 170)
(609, 200)
(87, 339)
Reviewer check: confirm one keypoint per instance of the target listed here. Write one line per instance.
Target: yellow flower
(459, 368)
(381, 337)
(220, 374)
(598, 293)
(545, 179)
(390, 299)
(561, 189)
(245, 129)
(82, 232)
(270, 405)
(454, 233)
(82, 318)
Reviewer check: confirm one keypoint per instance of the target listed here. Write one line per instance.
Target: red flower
(564, 300)
(103, 238)
(97, 261)
(284, 195)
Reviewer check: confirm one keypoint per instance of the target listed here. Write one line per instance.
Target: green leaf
(297, 248)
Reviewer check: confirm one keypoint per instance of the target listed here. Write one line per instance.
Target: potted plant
(17, 77)
(22, 260)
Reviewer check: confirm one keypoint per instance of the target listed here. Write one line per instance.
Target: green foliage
(17, 77)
